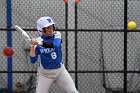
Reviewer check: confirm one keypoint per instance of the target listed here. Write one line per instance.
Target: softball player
(51, 68)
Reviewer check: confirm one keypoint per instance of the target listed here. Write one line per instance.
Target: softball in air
(132, 25)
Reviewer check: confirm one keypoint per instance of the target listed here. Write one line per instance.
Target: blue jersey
(50, 57)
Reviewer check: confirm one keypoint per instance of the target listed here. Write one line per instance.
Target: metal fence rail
(100, 53)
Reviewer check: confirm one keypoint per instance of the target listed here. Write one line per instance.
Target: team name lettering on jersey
(47, 50)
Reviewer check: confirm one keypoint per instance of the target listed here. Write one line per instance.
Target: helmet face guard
(52, 28)
(44, 22)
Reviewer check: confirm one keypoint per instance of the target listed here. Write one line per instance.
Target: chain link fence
(95, 52)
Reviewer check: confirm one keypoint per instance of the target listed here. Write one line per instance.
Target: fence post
(125, 46)
(9, 43)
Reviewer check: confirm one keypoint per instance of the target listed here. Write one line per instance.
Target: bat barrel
(21, 30)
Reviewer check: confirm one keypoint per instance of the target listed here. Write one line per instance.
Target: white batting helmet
(44, 22)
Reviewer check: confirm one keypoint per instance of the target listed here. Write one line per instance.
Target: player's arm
(33, 54)
(53, 44)
(56, 43)
(47, 44)
(32, 51)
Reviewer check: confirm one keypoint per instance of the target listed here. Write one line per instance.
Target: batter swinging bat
(22, 31)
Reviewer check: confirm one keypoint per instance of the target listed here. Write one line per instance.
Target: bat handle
(30, 37)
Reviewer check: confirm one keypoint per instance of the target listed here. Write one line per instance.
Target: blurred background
(100, 53)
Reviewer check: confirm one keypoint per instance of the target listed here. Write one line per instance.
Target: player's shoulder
(57, 34)
(40, 38)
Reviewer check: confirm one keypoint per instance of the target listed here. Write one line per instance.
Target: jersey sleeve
(34, 59)
(57, 39)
